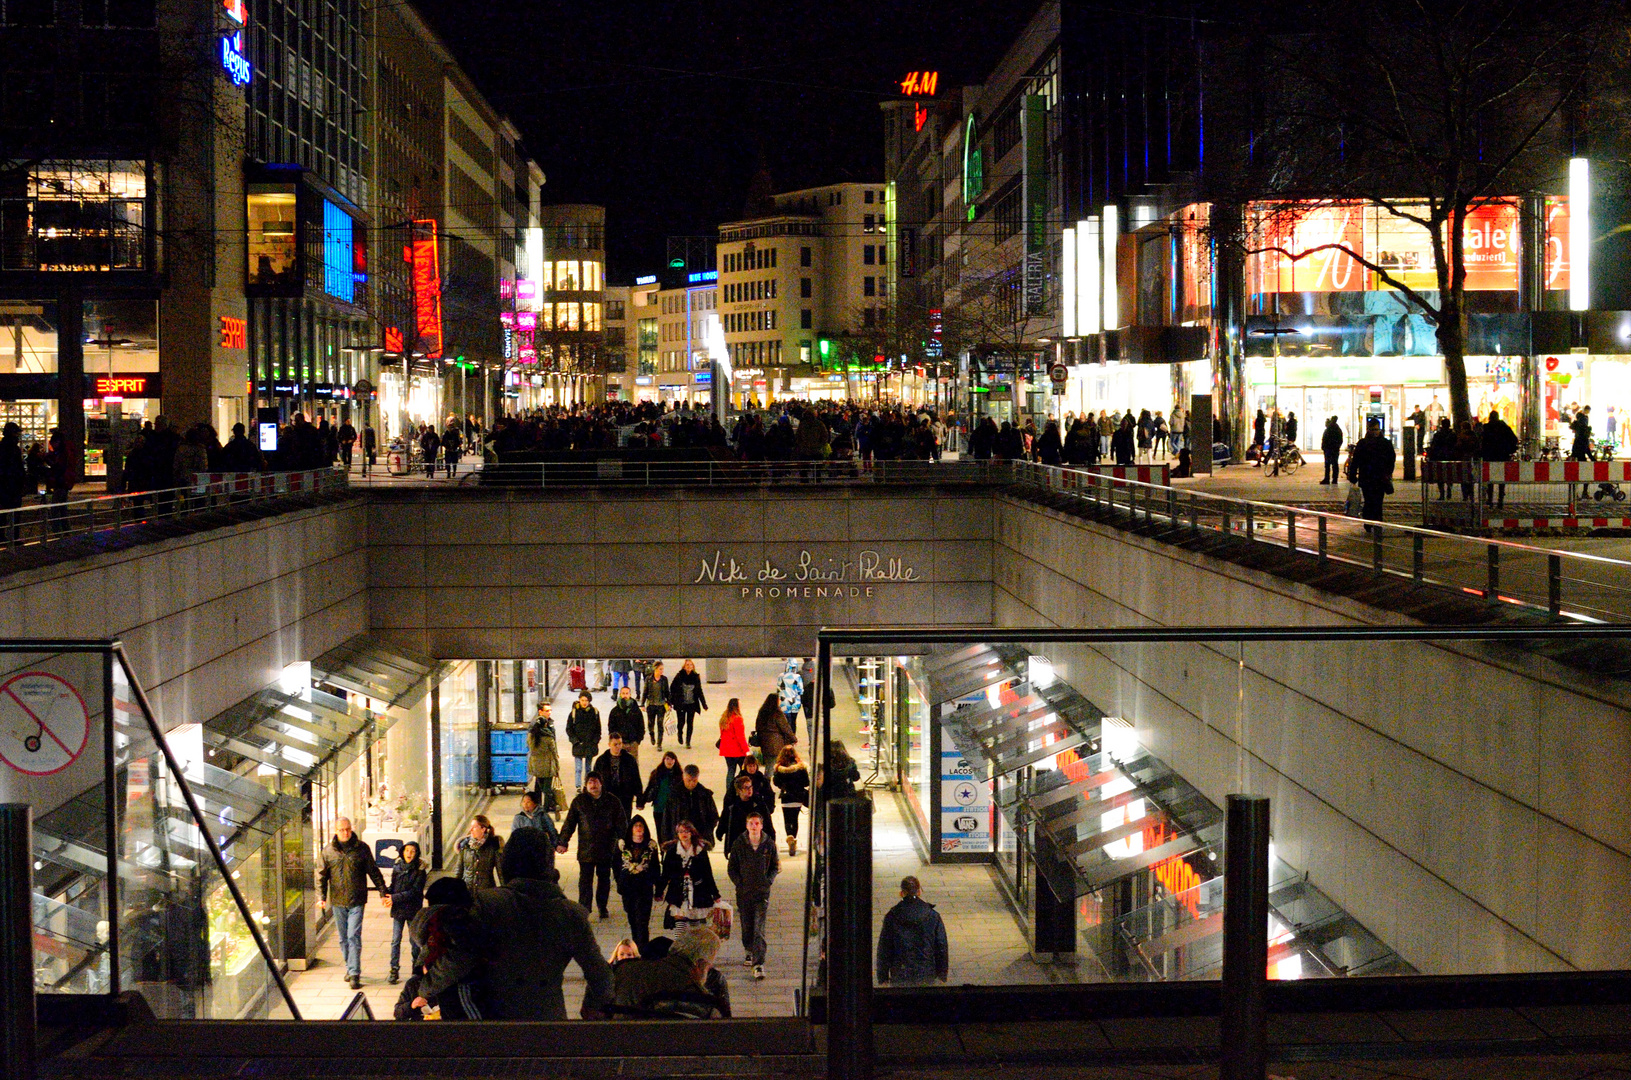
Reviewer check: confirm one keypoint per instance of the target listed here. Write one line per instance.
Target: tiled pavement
(987, 946)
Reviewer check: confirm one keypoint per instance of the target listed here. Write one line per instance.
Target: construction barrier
(1521, 496)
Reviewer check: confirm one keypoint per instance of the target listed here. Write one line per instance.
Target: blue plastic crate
(507, 742)
(509, 770)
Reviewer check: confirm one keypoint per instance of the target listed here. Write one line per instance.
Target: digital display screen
(268, 439)
(339, 279)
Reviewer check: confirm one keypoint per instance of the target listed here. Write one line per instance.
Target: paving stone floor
(987, 945)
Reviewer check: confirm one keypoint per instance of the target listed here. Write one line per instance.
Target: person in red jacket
(733, 740)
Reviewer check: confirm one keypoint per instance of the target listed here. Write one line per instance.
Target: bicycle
(1286, 459)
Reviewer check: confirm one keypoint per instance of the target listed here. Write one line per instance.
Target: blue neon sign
(704, 275)
(338, 278)
(233, 60)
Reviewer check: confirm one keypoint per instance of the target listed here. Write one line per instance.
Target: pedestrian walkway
(986, 944)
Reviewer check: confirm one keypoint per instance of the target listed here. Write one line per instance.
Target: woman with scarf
(687, 881)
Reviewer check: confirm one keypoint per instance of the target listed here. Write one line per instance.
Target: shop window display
(273, 252)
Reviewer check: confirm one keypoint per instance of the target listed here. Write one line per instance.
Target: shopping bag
(720, 916)
(1355, 504)
(671, 720)
(557, 794)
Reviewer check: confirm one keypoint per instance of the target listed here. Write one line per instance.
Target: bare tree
(1430, 111)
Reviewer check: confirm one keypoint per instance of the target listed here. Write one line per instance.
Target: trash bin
(716, 670)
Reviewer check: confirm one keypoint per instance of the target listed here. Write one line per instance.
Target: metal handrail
(358, 1006)
(592, 471)
(1251, 519)
(54, 522)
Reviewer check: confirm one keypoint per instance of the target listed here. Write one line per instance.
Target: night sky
(663, 112)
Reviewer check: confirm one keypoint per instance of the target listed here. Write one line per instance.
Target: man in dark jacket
(1497, 442)
(912, 945)
(342, 884)
(536, 930)
(603, 820)
(753, 864)
(619, 773)
(627, 720)
(1331, 447)
(695, 803)
(1371, 467)
(672, 985)
(583, 732)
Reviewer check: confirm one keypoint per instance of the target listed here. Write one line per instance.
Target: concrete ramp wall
(1466, 803)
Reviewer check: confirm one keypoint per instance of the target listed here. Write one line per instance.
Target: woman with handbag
(733, 740)
(687, 883)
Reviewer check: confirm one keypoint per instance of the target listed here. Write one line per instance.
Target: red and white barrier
(1160, 475)
(1561, 523)
(1557, 472)
(261, 483)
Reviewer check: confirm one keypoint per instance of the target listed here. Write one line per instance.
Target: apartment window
(805, 290)
(867, 255)
(614, 311)
(804, 256)
(883, 254)
(773, 288)
(866, 223)
(806, 320)
(773, 258)
(869, 196)
(869, 317)
(869, 286)
(804, 352)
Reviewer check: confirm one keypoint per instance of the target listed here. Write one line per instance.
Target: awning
(386, 673)
(296, 734)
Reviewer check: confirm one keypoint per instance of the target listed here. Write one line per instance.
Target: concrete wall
(211, 618)
(613, 574)
(1465, 804)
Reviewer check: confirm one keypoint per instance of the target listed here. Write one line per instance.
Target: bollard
(17, 939)
(849, 939)
(1245, 939)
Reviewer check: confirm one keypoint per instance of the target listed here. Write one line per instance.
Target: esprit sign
(808, 577)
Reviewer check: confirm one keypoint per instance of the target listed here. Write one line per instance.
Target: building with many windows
(571, 338)
(814, 268)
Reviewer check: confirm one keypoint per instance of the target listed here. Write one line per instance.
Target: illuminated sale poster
(1310, 249)
(1557, 242)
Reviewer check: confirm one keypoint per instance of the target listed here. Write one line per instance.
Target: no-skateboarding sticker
(44, 725)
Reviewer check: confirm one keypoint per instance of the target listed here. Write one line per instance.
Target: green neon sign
(973, 168)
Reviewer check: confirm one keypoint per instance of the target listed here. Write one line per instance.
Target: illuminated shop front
(1327, 335)
(310, 337)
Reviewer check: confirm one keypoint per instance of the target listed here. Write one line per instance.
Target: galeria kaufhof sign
(809, 577)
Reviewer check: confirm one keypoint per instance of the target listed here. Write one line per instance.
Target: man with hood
(912, 945)
(536, 931)
(627, 720)
(342, 884)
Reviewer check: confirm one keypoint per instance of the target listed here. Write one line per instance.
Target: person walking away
(1177, 429)
(430, 444)
(13, 480)
(537, 931)
(639, 862)
(1371, 467)
(771, 730)
(687, 882)
(348, 441)
(1121, 443)
(583, 732)
(475, 856)
(912, 945)
(840, 774)
(655, 698)
(1498, 443)
(753, 863)
(1331, 447)
(452, 445)
(626, 719)
(403, 899)
(792, 779)
(733, 739)
(603, 820)
(544, 758)
(662, 793)
(342, 885)
(450, 947)
(1580, 449)
(370, 447)
(532, 816)
(1049, 447)
(1441, 449)
(619, 772)
(685, 694)
(695, 803)
(620, 674)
